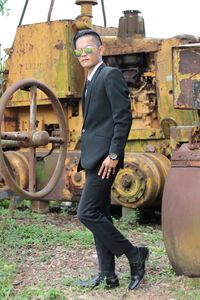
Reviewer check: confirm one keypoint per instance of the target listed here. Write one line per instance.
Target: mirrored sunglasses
(87, 50)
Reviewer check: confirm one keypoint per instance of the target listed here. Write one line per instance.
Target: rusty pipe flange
(129, 185)
(141, 182)
(32, 85)
(75, 180)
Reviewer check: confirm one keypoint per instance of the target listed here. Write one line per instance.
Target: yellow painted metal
(186, 62)
(152, 108)
(44, 51)
(141, 182)
(148, 133)
(116, 46)
(85, 19)
(19, 165)
(46, 116)
(165, 86)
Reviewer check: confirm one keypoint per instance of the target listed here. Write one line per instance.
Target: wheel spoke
(32, 169)
(33, 107)
(32, 150)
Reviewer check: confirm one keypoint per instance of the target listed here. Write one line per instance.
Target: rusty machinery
(44, 51)
(181, 206)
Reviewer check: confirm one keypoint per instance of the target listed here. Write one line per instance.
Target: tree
(3, 9)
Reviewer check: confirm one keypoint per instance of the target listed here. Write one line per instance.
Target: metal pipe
(23, 13)
(85, 19)
(50, 11)
(104, 13)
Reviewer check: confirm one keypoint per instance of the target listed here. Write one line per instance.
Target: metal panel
(44, 51)
(186, 76)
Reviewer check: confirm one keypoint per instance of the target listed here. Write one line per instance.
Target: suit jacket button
(83, 130)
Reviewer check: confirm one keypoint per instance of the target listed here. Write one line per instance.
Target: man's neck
(92, 72)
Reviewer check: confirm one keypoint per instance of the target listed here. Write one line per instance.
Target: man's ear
(101, 49)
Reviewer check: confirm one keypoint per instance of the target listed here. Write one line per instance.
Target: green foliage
(40, 292)
(7, 275)
(3, 9)
(54, 293)
(3, 211)
(4, 203)
(17, 235)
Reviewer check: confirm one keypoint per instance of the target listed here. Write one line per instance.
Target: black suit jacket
(107, 117)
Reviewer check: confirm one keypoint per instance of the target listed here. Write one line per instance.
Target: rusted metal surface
(180, 220)
(105, 31)
(71, 182)
(32, 194)
(141, 181)
(186, 65)
(116, 46)
(74, 180)
(44, 51)
(85, 19)
(20, 167)
(131, 24)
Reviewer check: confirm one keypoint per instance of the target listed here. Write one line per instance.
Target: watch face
(113, 155)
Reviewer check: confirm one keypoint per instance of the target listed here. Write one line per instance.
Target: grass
(16, 235)
(48, 246)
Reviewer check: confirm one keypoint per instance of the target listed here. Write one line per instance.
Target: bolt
(77, 177)
(126, 184)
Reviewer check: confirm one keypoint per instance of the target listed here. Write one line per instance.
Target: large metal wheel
(33, 139)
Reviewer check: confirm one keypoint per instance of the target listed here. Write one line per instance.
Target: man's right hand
(108, 166)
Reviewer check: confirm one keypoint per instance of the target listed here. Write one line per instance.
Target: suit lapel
(89, 92)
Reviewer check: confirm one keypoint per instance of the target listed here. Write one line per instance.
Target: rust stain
(190, 61)
(186, 87)
(180, 218)
(60, 45)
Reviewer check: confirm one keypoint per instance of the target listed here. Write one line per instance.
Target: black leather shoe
(138, 268)
(110, 282)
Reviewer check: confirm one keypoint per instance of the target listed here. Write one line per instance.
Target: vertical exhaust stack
(131, 24)
(85, 19)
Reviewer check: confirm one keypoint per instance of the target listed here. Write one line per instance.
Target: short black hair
(87, 32)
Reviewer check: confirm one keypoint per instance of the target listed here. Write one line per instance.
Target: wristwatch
(113, 156)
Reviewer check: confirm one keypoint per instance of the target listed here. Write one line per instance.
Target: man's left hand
(108, 166)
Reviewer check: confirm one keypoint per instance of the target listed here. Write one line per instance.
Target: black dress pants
(94, 213)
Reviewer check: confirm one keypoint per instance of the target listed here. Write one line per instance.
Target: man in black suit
(107, 121)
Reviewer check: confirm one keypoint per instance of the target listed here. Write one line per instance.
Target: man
(107, 121)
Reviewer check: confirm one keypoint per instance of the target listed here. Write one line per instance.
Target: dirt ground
(62, 266)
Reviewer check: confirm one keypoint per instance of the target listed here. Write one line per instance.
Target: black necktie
(87, 86)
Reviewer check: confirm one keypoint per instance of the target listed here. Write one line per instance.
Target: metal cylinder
(131, 24)
(141, 182)
(19, 165)
(180, 213)
(85, 19)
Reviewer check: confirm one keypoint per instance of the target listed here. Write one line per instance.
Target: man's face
(89, 61)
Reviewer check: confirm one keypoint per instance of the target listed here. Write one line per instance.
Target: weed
(7, 275)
